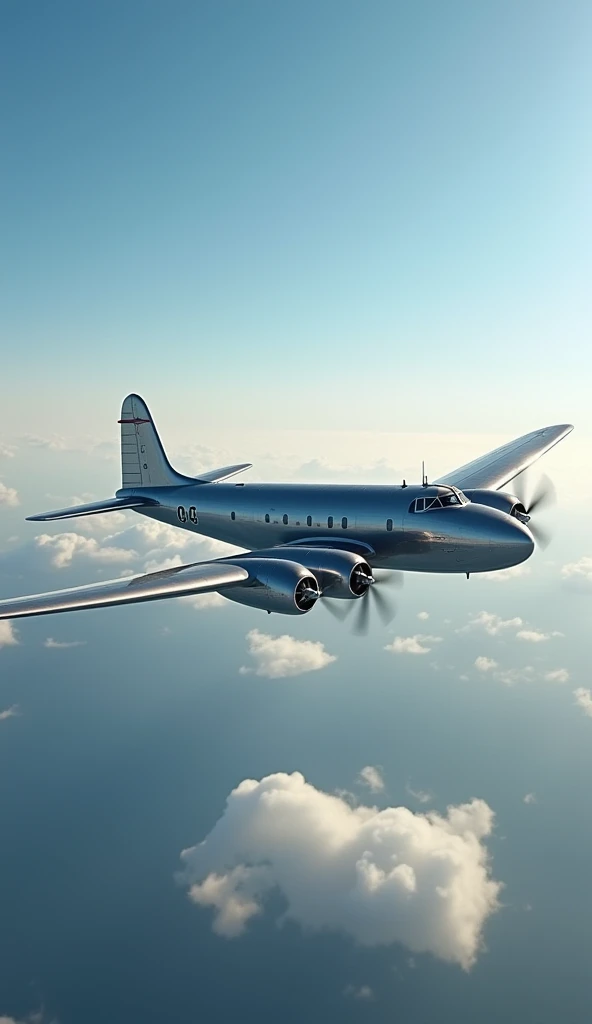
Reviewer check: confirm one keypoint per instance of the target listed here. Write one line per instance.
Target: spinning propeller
(543, 496)
(385, 607)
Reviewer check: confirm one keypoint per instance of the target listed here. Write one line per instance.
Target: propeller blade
(542, 537)
(388, 577)
(362, 620)
(543, 496)
(385, 608)
(337, 611)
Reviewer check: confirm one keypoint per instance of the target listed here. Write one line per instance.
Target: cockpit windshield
(453, 497)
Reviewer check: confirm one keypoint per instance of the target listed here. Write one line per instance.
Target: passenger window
(389, 524)
(233, 515)
(309, 520)
(267, 517)
(193, 514)
(285, 519)
(330, 522)
(344, 523)
(181, 514)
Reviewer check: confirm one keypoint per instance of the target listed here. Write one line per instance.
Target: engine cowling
(340, 574)
(275, 585)
(502, 500)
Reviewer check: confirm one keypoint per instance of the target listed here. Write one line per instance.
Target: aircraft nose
(511, 541)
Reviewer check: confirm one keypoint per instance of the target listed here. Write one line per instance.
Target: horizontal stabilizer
(93, 508)
(213, 475)
(180, 581)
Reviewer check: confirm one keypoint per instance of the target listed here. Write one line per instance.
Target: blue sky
(333, 239)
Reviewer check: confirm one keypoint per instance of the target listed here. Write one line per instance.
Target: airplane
(309, 542)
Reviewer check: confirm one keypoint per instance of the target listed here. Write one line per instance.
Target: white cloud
(382, 877)
(534, 636)
(423, 616)
(7, 451)
(354, 991)
(279, 656)
(579, 574)
(511, 676)
(8, 637)
(584, 700)
(483, 664)
(505, 575)
(418, 644)
(54, 443)
(8, 496)
(492, 624)
(372, 778)
(422, 795)
(56, 645)
(204, 601)
(529, 798)
(11, 712)
(557, 675)
(64, 547)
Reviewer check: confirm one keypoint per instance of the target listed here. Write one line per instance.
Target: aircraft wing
(498, 467)
(181, 581)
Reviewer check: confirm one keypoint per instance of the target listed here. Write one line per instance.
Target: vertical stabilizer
(143, 460)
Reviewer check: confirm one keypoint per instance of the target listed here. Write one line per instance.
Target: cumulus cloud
(53, 443)
(584, 700)
(371, 777)
(279, 656)
(536, 636)
(423, 616)
(64, 547)
(11, 712)
(8, 637)
(529, 798)
(483, 664)
(7, 451)
(8, 496)
(505, 575)
(492, 624)
(59, 645)
(417, 644)
(421, 795)
(205, 601)
(557, 675)
(579, 574)
(511, 676)
(381, 877)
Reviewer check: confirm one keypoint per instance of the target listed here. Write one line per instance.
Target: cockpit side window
(436, 501)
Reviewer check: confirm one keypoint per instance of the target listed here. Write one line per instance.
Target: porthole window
(233, 515)
(330, 522)
(389, 524)
(181, 514)
(309, 520)
(285, 519)
(267, 517)
(344, 523)
(193, 515)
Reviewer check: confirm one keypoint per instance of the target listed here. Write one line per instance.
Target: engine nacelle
(340, 574)
(275, 585)
(501, 500)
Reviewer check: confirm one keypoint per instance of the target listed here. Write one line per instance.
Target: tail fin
(143, 459)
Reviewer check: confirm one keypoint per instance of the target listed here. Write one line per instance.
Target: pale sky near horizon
(333, 239)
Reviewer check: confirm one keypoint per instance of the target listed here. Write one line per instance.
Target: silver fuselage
(374, 520)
